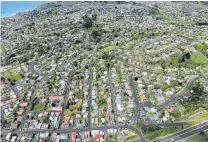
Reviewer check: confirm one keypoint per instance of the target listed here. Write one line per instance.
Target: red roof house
(42, 140)
(171, 109)
(73, 137)
(24, 104)
(56, 97)
(99, 136)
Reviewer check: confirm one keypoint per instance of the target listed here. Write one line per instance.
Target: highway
(165, 124)
(185, 133)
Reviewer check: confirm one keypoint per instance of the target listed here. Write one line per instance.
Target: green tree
(88, 22)
(177, 113)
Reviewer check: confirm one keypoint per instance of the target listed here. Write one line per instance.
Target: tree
(96, 33)
(31, 107)
(13, 82)
(67, 105)
(78, 106)
(53, 104)
(22, 75)
(94, 16)
(86, 67)
(45, 119)
(88, 22)
(2, 79)
(177, 113)
(202, 133)
(144, 128)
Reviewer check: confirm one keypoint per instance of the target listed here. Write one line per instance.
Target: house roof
(129, 87)
(5, 103)
(171, 109)
(58, 113)
(2, 97)
(98, 136)
(3, 86)
(42, 140)
(73, 136)
(131, 99)
(58, 108)
(66, 118)
(142, 98)
(20, 112)
(56, 97)
(24, 104)
(64, 136)
(187, 94)
(54, 134)
(43, 100)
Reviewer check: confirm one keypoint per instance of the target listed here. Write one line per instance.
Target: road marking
(197, 127)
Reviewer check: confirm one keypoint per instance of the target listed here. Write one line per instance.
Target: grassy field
(131, 139)
(17, 69)
(161, 10)
(131, 135)
(67, 112)
(153, 135)
(110, 48)
(199, 58)
(197, 138)
(14, 73)
(39, 107)
(202, 116)
(177, 22)
(107, 30)
(193, 138)
(15, 76)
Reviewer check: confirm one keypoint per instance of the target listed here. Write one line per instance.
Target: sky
(9, 8)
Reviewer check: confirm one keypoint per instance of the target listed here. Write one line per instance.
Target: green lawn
(112, 139)
(193, 138)
(67, 112)
(39, 107)
(110, 48)
(16, 76)
(17, 69)
(159, 133)
(177, 22)
(200, 117)
(153, 135)
(197, 138)
(199, 58)
(161, 10)
(130, 136)
(107, 30)
(14, 73)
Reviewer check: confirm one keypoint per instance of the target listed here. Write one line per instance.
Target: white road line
(185, 132)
